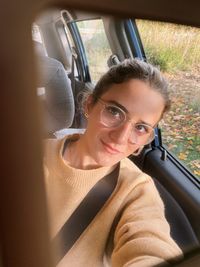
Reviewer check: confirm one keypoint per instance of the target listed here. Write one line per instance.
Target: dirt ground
(181, 126)
(186, 85)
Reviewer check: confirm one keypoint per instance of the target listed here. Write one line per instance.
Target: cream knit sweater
(130, 230)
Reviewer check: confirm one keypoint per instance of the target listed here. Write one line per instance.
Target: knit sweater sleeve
(142, 236)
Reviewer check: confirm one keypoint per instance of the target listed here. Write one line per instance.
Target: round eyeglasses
(113, 116)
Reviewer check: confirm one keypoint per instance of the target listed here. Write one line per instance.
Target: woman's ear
(88, 104)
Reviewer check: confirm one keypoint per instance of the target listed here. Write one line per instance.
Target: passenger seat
(55, 93)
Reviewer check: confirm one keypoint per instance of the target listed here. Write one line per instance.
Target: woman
(130, 229)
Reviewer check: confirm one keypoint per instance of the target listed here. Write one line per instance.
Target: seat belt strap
(84, 214)
(74, 57)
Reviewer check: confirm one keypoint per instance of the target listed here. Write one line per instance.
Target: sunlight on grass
(170, 46)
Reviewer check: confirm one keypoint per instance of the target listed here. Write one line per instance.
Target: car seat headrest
(55, 93)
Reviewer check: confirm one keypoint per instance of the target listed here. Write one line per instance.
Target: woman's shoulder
(130, 173)
(138, 183)
(56, 144)
(126, 162)
(129, 166)
(51, 144)
(52, 148)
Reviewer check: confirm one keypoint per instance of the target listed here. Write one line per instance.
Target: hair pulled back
(133, 69)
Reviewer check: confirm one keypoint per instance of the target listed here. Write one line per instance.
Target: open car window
(96, 46)
(175, 49)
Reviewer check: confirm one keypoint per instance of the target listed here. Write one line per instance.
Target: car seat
(55, 93)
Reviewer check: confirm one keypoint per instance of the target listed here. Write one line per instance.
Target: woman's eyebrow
(118, 105)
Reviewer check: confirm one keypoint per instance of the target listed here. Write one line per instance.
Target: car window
(37, 37)
(96, 46)
(176, 50)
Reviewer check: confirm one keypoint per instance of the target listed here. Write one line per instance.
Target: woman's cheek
(132, 149)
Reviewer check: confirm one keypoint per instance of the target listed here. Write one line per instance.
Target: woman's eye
(114, 111)
(142, 129)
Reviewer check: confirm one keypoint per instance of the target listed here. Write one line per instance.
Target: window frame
(81, 61)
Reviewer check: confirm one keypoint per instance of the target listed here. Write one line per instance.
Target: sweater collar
(78, 176)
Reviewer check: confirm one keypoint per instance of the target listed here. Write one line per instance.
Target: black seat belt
(76, 123)
(84, 213)
(74, 58)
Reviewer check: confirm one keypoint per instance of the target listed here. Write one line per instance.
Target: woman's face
(107, 146)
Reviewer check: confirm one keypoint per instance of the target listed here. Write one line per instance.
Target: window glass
(37, 38)
(68, 43)
(96, 46)
(176, 50)
(68, 37)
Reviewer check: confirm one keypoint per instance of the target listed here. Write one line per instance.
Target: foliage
(176, 50)
(170, 46)
(167, 59)
(181, 126)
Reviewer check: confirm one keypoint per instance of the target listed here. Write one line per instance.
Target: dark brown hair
(133, 69)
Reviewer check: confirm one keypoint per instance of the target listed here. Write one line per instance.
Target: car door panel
(181, 188)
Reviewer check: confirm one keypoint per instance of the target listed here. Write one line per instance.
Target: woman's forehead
(132, 91)
(136, 97)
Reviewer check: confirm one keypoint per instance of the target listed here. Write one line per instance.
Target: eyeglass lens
(113, 116)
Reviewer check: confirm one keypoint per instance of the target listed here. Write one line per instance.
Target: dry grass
(172, 47)
(176, 50)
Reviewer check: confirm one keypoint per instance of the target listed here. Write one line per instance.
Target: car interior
(58, 56)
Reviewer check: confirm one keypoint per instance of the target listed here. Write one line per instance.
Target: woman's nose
(122, 134)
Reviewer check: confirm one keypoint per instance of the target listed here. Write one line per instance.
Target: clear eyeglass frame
(136, 137)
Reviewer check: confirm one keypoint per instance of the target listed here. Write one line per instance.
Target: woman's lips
(110, 149)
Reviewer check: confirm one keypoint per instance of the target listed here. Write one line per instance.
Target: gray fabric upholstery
(181, 229)
(57, 98)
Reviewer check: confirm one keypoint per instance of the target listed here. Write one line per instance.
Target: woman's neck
(76, 154)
